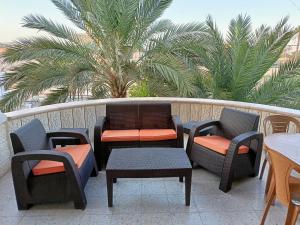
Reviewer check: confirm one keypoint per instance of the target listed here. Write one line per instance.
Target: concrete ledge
(69, 105)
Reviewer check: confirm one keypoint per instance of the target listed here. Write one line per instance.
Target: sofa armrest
(177, 124)
(195, 132)
(99, 128)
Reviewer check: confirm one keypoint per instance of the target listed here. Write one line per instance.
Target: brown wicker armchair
(233, 148)
(42, 174)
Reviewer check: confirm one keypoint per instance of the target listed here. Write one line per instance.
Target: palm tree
(115, 44)
(240, 66)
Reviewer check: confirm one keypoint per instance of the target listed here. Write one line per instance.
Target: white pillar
(4, 146)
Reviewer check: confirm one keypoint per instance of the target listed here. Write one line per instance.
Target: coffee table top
(148, 159)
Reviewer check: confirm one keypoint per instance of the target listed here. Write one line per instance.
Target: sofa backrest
(235, 122)
(30, 137)
(155, 115)
(122, 116)
(125, 116)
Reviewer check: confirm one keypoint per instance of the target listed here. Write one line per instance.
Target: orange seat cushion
(218, 144)
(157, 134)
(78, 153)
(120, 135)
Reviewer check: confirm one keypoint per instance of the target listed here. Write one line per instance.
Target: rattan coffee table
(148, 163)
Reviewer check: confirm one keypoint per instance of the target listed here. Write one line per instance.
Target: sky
(181, 11)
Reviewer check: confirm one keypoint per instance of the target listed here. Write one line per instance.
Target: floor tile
(157, 219)
(153, 187)
(9, 220)
(187, 219)
(128, 204)
(126, 219)
(213, 218)
(177, 204)
(127, 188)
(155, 204)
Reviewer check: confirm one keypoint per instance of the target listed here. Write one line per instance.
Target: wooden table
(285, 144)
(148, 163)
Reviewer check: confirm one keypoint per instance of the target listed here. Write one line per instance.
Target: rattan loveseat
(136, 125)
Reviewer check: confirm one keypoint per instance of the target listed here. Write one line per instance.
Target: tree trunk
(118, 92)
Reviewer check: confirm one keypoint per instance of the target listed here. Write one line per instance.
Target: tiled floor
(150, 201)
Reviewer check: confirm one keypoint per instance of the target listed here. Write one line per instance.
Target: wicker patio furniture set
(133, 140)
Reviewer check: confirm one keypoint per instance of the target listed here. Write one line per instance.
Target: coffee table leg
(188, 183)
(109, 183)
(181, 179)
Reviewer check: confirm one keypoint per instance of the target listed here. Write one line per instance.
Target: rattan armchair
(236, 131)
(32, 145)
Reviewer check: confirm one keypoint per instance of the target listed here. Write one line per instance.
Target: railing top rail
(62, 106)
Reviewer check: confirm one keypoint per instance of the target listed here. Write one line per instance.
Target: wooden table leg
(181, 179)
(188, 184)
(109, 183)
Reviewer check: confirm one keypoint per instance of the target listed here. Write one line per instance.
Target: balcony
(142, 201)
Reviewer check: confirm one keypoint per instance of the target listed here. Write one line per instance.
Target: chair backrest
(122, 116)
(282, 168)
(234, 122)
(32, 136)
(280, 124)
(155, 115)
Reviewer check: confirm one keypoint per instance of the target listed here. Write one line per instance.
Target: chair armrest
(51, 155)
(177, 124)
(99, 127)
(245, 138)
(232, 153)
(195, 132)
(83, 138)
(20, 175)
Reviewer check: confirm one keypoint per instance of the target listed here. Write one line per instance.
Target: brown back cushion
(155, 115)
(122, 116)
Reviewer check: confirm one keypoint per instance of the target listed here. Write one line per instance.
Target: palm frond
(42, 24)
(56, 96)
(70, 11)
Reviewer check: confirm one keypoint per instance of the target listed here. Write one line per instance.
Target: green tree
(116, 44)
(240, 66)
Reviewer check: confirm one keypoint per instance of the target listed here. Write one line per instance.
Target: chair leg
(263, 169)
(270, 199)
(79, 205)
(226, 183)
(272, 189)
(269, 178)
(94, 172)
(23, 206)
(292, 214)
